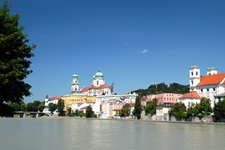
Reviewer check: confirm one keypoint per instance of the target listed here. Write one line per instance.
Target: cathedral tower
(75, 84)
(211, 71)
(194, 77)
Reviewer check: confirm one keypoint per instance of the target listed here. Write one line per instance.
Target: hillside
(163, 88)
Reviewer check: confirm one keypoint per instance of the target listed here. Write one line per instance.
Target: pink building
(165, 97)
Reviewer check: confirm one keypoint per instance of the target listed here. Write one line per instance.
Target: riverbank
(141, 120)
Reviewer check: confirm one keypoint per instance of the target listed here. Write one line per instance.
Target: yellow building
(80, 98)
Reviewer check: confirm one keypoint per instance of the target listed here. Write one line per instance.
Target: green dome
(75, 75)
(99, 74)
(211, 68)
(194, 67)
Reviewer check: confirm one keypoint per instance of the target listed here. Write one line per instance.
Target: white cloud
(144, 51)
(125, 44)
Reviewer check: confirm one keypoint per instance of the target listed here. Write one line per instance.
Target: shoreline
(134, 120)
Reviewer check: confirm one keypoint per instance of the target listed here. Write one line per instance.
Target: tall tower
(194, 77)
(75, 84)
(211, 71)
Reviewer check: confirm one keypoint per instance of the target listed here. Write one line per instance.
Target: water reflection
(88, 134)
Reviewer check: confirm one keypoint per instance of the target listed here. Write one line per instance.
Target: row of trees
(36, 106)
(150, 108)
(163, 88)
(179, 111)
(89, 113)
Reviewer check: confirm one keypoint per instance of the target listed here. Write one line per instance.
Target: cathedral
(98, 87)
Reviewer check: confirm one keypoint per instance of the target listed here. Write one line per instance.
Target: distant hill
(163, 88)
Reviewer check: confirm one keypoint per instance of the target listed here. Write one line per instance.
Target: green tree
(23, 106)
(77, 112)
(193, 110)
(137, 108)
(60, 107)
(14, 58)
(81, 113)
(125, 111)
(52, 107)
(151, 107)
(163, 88)
(205, 106)
(219, 110)
(89, 112)
(14, 106)
(33, 106)
(41, 107)
(69, 112)
(178, 111)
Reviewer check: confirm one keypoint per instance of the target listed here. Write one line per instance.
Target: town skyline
(134, 44)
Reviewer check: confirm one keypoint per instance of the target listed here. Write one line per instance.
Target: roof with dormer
(191, 95)
(212, 79)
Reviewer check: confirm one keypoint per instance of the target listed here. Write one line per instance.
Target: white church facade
(98, 87)
(208, 86)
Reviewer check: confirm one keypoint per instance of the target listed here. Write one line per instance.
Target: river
(92, 134)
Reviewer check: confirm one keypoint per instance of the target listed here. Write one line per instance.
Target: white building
(209, 85)
(189, 98)
(53, 100)
(162, 111)
(107, 100)
(219, 97)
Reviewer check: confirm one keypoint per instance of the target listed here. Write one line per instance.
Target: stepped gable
(212, 79)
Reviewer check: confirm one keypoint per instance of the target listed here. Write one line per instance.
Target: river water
(88, 134)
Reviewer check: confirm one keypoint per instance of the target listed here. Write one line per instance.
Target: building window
(192, 82)
(191, 73)
(196, 73)
(207, 90)
(201, 90)
(214, 89)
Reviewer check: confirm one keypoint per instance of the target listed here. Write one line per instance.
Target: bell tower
(194, 77)
(75, 84)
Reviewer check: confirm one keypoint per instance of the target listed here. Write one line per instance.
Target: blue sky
(134, 43)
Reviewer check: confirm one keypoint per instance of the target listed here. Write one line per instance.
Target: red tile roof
(85, 89)
(212, 79)
(55, 98)
(191, 95)
(83, 108)
(102, 86)
(132, 104)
